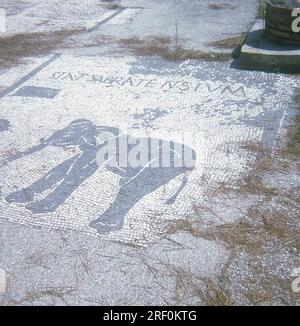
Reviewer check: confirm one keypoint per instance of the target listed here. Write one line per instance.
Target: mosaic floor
(49, 178)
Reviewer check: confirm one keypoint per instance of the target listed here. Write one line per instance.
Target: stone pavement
(52, 190)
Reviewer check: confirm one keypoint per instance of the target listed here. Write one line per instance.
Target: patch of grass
(53, 292)
(185, 225)
(265, 288)
(241, 235)
(111, 6)
(33, 295)
(253, 236)
(293, 145)
(252, 182)
(278, 225)
(13, 49)
(259, 296)
(228, 43)
(249, 234)
(37, 259)
(255, 147)
(221, 6)
(209, 291)
(164, 48)
(214, 293)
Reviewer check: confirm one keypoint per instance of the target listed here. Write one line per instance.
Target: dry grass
(165, 48)
(241, 235)
(14, 49)
(214, 293)
(279, 225)
(228, 43)
(83, 260)
(265, 288)
(252, 183)
(255, 147)
(249, 234)
(293, 145)
(294, 137)
(258, 228)
(186, 225)
(221, 6)
(252, 235)
(211, 292)
(37, 259)
(55, 294)
(112, 6)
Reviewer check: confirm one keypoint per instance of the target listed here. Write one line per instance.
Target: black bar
(134, 315)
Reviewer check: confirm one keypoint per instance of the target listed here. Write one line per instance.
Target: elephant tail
(172, 200)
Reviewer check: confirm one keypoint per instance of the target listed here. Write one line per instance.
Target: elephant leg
(82, 168)
(172, 200)
(53, 177)
(129, 194)
(113, 218)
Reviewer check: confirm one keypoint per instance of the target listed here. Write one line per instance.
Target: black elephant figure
(136, 181)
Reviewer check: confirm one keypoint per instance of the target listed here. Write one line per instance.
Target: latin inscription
(157, 83)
